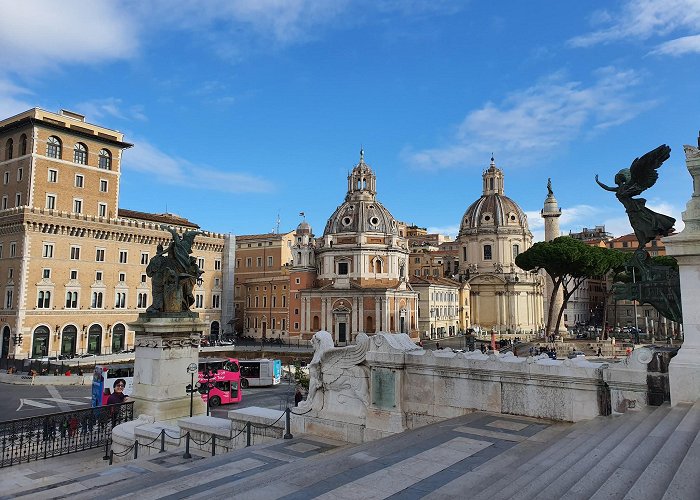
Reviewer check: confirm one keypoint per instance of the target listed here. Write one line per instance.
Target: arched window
(44, 300)
(95, 340)
(23, 144)
(40, 342)
(516, 250)
(8, 149)
(377, 266)
(53, 147)
(80, 153)
(487, 252)
(105, 159)
(118, 338)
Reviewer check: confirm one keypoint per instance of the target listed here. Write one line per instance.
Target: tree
(568, 262)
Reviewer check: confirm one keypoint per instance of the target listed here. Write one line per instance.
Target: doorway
(5, 349)
(342, 333)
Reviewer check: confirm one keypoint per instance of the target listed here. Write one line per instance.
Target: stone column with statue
(168, 333)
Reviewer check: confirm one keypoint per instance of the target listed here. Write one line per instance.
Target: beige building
(443, 306)
(72, 263)
(493, 231)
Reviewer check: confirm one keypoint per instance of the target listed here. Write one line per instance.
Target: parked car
(576, 354)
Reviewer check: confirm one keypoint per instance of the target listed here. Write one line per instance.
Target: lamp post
(205, 387)
(192, 388)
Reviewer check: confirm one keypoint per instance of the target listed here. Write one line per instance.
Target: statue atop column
(174, 272)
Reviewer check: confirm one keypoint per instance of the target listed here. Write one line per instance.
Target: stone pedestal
(166, 345)
(684, 369)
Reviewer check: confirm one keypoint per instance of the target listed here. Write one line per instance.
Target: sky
(243, 112)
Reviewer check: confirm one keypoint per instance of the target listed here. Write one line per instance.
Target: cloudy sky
(241, 111)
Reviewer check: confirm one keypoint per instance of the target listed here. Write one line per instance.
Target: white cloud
(642, 20)
(538, 119)
(164, 168)
(10, 101)
(679, 46)
(451, 231)
(111, 106)
(46, 33)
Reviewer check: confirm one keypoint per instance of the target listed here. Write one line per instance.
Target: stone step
(583, 436)
(561, 476)
(686, 480)
(632, 466)
(660, 471)
(587, 475)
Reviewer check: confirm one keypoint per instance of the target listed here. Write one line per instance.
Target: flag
(302, 214)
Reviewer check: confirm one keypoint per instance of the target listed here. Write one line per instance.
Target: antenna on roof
(278, 223)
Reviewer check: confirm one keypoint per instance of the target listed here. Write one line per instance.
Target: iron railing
(34, 438)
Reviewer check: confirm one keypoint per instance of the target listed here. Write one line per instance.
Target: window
(98, 276)
(143, 278)
(122, 277)
(102, 209)
(284, 301)
(71, 300)
(51, 201)
(141, 300)
(4, 202)
(44, 300)
(22, 146)
(200, 263)
(238, 263)
(487, 252)
(46, 274)
(53, 147)
(47, 252)
(199, 301)
(8, 149)
(53, 175)
(13, 249)
(259, 261)
(79, 179)
(123, 256)
(80, 153)
(144, 259)
(103, 185)
(77, 206)
(74, 253)
(74, 274)
(18, 200)
(0, 251)
(105, 159)
(8, 299)
(100, 255)
(215, 301)
(120, 300)
(20, 174)
(269, 261)
(217, 265)
(249, 262)
(96, 300)
(342, 268)
(284, 324)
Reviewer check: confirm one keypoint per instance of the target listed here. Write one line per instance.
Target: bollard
(136, 449)
(187, 446)
(111, 456)
(213, 445)
(247, 434)
(106, 457)
(288, 429)
(162, 441)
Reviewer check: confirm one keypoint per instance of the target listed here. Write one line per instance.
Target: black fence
(35, 438)
(76, 366)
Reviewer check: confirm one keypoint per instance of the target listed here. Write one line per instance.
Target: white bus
(260, 372)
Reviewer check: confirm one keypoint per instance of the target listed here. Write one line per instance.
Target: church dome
(361, 212)
(493, 210)
(304, 228)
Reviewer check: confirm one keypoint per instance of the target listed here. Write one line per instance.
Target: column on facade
(355, 327)
(385, 304)
(474, 303)
(377, 316)
(324, 325)
(361, 314)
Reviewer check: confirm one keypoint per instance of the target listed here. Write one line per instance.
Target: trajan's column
(551, 213)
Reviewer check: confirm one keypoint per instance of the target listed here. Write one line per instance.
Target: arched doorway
(95, 340)
(40, 342)
(69, 341)
(5, 347)
(118, 338)
(214, 331)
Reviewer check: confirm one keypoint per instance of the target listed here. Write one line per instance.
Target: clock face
(192, 368)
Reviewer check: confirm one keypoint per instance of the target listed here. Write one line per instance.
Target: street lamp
(208, 374)
(192, 387)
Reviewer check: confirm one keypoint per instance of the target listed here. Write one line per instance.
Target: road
(20, 401)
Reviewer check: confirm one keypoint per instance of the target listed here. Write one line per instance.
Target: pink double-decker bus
(225, 380)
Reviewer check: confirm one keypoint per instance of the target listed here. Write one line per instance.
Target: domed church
(355, 277)
(493, 231)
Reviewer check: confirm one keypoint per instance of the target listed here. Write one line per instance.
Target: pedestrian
(118, 395)
(298, 397)
(437, 345)
(600, 351)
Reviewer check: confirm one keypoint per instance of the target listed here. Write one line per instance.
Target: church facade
(493, 231)
(355, 277)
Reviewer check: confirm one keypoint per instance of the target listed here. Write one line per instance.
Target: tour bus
(226, 380)
(110, 373)
(260, 372)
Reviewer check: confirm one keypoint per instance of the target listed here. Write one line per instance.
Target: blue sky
(243, 110)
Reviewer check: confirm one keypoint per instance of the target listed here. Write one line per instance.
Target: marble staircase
(648, 454)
